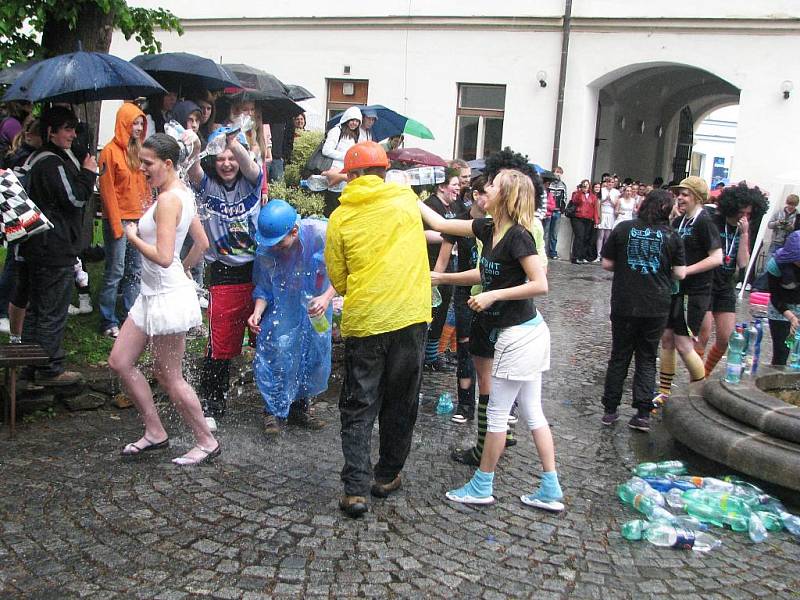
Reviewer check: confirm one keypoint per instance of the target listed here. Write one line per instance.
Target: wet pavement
(76, 521)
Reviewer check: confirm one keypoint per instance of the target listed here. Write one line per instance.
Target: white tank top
(157, 279)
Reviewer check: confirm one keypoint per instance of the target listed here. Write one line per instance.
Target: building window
(344, 93)
(479, 120)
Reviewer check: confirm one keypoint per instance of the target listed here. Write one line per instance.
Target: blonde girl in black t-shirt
(510, 341)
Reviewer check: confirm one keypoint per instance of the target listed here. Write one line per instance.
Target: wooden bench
(11, 357)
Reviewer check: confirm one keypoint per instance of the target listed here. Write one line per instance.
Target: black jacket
(60, 189)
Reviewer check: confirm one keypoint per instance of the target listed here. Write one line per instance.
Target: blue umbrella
(181, 70)
(9, 75)
(389, 123)
(82, 77)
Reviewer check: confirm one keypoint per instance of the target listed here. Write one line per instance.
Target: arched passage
(647, 114)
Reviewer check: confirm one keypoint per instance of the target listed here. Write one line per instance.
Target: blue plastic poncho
(292, 360)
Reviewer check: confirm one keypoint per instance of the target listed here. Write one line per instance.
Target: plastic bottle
(794, 354)
(771, 521)
(640, 486)
(316, 183)
(667, 483)
(320, 322)
(717, 508)
(444, 405)
(756, 529)
(436, 297)
(759, 324)
(749, 357)
(674, 498)
(634, 530)
(649, 469)
(733, 372)
(669, 536)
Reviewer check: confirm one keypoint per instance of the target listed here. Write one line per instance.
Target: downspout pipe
(562, 80)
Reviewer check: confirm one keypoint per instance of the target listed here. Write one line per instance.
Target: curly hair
(655, 208)
(736, 197)
(508, 159)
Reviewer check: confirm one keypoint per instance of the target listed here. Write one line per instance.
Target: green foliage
(304, 147)
(307, 203)
(23, 21)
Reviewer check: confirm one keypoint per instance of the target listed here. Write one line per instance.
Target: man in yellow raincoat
(376, 258)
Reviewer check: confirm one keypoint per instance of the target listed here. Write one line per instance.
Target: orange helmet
(364, 155)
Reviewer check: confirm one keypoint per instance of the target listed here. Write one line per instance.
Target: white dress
(625, 209)
(606, 214)
(167, 303)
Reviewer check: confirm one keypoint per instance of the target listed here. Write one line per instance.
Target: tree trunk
(92, 33)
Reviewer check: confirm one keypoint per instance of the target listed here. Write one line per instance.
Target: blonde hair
(515, 197)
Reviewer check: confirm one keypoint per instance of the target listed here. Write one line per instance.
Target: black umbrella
(274, 109)
(181, 70)
(298, 92)
(256, 79)
(82, 77)
(9, 75)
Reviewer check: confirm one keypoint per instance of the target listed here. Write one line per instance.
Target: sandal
(133, 449)
(209, 455)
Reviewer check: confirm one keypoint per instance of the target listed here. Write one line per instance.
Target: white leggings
(529, 399)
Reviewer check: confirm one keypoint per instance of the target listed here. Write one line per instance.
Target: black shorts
(482, 339)
(723, 300)
(687, 312)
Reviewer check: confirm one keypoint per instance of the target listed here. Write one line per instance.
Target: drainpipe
(562, 80)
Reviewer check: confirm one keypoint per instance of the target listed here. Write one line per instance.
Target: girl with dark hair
(736, 206)
(205, 100)
(167, 306)
(645, 255)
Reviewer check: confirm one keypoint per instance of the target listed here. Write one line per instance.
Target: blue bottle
(444, 405)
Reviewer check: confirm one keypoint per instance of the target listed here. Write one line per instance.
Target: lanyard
(686, 224)
(729, 246)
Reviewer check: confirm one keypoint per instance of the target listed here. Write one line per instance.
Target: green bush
(307, 203)
(304, 147)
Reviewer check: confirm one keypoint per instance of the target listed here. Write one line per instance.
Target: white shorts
(175, 311)
(521, 352)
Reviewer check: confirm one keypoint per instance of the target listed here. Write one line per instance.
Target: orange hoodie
(123, 192)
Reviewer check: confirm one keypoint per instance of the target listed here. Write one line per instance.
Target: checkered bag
(21, 217)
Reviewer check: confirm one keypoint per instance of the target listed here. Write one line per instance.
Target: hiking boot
(466, 457)
(382, 489)
(62, 379)
(273, 425)
(353, 506)
(640, 422)
(304, 417)
(609, 418)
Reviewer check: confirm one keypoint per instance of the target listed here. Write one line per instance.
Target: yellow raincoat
(377, 258)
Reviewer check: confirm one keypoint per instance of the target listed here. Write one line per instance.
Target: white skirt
(166, 313)
(521, 352)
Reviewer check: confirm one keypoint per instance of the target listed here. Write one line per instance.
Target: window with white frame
(479, 120)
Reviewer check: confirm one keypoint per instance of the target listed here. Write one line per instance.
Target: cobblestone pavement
(262, 522)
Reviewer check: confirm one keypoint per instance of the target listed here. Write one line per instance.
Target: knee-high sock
(483, 402)
(667, 371)
(431, 351)
(694, 363)
(713, 358)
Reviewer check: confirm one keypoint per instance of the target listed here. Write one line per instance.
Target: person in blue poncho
(292, 316)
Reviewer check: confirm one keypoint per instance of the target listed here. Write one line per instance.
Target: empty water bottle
(736, 347)
(634, 530)
(794, 353)
(650, 469)
(640, 486)
(674, 498)
(445, 404)
(756, 529)
(669, 482)
(669, 536)
(436, 297)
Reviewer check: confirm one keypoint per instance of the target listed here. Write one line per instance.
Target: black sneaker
(466, 457)
(437, 365)
(640, 423)
(610, 418)
(463, 414)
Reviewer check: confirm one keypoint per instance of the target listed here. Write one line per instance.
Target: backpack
(22, 171)
(20, 218)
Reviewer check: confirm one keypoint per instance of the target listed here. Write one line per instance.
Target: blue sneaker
(468, 494)
(543, 501)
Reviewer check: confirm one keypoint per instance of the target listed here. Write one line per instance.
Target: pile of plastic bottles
(744, 350)
(701, 502)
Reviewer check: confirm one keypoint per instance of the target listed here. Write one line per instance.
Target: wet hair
(458, 163)
(656, 207)
(516, 197)
(164, 147)
(508, 159)
(56, 117)
(735, 198)
(479, 184)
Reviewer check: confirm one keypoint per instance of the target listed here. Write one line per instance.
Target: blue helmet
(275, 221)
(225, 131)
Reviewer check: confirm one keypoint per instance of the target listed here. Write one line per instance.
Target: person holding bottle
(509, 337)
(783, 278)
(124, 194)
(291, 316)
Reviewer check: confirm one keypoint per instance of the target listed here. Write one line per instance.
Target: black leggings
(779, 330)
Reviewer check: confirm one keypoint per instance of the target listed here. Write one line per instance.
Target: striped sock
(483, 403)
(667, 371)
(695, 365)
(431, 351)
(713, 358)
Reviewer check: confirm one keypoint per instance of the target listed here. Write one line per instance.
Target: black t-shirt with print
(700, 236)
(643, 259)
(448, 212)
(500, 269)
(467, 248)
(729, 237)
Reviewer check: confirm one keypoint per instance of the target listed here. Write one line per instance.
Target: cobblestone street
(76, 521)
